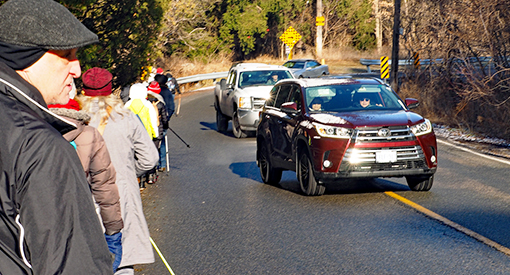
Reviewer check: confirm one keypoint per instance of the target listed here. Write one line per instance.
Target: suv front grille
(368, 155)
(364, 159)
(382, 134)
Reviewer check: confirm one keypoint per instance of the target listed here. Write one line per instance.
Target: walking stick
(166, 153)
(179, 106)
(178, 136)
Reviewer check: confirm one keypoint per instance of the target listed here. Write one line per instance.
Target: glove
(115, 246)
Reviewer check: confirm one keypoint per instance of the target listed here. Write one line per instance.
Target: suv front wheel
(306, 177)
(420, 183)
(269, 174)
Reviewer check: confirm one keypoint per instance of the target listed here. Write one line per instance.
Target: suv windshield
(269, 77)
(346, 98)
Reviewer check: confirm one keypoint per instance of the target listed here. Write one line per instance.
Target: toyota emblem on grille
(384, 132)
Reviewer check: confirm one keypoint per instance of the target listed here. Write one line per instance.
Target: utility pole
(394, 51)
(378, 29)
(318, 41)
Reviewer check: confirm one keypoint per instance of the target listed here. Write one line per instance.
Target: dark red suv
(332, 129)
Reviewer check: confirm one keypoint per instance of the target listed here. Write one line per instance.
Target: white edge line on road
(473, 152)
(448, 222)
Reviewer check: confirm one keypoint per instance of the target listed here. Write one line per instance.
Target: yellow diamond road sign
(290, 37)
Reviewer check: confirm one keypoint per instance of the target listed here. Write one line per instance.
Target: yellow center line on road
(450, 223)
(161, 256)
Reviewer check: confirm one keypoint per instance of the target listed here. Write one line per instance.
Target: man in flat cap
(47, 219)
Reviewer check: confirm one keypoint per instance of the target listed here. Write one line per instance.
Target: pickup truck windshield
(269, 77)
(346, 98)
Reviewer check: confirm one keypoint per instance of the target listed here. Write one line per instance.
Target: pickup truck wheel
(269, 174)
(306, 177)
(236, 128)
(221, 121)
(420, 183)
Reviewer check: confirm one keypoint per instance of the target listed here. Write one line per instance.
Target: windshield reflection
(346, 98)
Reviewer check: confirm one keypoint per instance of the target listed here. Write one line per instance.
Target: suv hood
(369, 118)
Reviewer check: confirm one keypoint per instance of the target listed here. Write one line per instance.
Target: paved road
(211, 214)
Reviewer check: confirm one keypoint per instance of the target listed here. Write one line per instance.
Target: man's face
(275, 77)
(364, 102)
(53, 75)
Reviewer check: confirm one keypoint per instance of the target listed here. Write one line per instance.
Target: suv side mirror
(412, 103)
(223, 84)
(290, 107)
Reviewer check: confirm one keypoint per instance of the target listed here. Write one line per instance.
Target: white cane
(166, 153)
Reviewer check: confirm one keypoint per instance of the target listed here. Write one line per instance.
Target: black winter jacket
(45, 201)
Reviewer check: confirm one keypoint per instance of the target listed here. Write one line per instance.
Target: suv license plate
(385, 156)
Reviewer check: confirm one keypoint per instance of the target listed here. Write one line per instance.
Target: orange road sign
(416, 57)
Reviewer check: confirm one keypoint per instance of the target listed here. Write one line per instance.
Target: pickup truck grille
(258, 102)
(378, 134)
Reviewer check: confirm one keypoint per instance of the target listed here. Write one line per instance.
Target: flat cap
(43, 24)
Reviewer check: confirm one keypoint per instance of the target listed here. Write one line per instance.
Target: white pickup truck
(242, 95)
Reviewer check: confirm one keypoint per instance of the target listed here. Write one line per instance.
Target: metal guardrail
(363, 61)
(371, 62)
(200, 77)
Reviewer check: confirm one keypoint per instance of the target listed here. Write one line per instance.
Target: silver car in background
(306, 68)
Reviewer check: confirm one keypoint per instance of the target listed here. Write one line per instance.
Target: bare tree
(469, 83)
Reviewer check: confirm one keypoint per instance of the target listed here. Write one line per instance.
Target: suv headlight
(422, 128)
(244, 103)
(332, 131)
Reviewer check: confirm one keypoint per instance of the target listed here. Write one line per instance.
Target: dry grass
(339, 59)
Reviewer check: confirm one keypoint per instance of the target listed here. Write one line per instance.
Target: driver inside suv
(316, 104)
(364, 100)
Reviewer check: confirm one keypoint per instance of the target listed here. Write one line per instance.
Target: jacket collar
(24, 92)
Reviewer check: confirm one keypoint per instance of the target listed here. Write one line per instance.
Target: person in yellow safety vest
(139, 105)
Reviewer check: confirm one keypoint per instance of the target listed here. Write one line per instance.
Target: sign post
(290, 37)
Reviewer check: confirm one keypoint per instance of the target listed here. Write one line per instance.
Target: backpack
(142, 112)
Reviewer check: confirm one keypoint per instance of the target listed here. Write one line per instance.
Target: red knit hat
(154, 87)
(97, 82)
(159, 71)
(72, 104)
